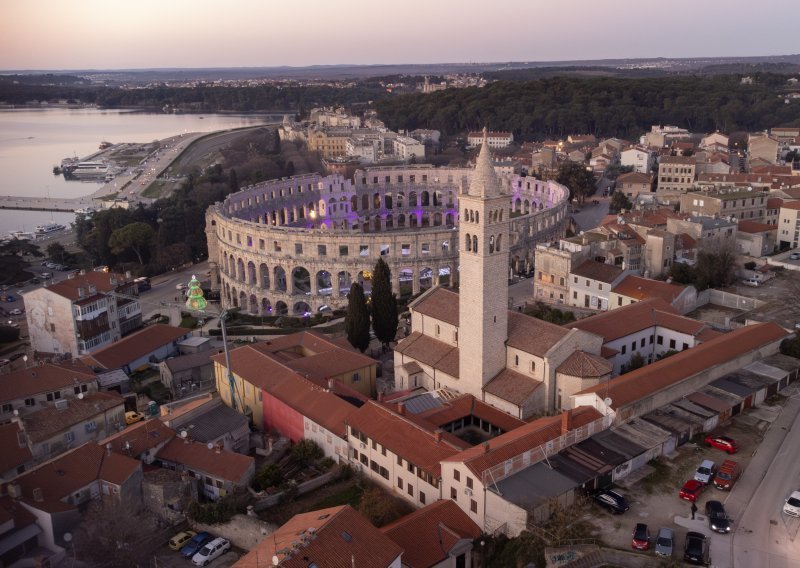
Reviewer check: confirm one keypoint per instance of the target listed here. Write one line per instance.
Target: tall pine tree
(384, 303)
(356, 320)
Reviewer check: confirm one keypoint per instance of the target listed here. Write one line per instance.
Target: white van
(751, 282)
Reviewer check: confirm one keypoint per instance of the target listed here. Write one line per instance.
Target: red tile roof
(795, 205)
(135, 346)
(139, 438)
(11, 510)
(13, 453)
(61, 477)
(599, 271)
(533, 335)
(640, 288)
(467, 405)
(774, 203)
(684, 160)
(635, 177)
(585, 365)
(37, 379)
(636, 385)
(215, 462)
(438, 303)
(430, 351)
(101, 281)
(512, 386)
(49, 421)
(632, 318)
(532, 435)
(337, 537)
(405, 436)
(755, 227)
(428, 534)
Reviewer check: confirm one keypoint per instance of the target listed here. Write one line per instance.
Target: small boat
(49, 228)
(21, 235)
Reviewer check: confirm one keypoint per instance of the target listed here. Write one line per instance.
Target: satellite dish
(184, 433)
(16, 412)
(210, 445)
(275, 560)
(80, 396)
(67, 537)
(607, 401)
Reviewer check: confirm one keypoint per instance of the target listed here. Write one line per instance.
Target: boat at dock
(21, 235)
(89, 170)
(48, 228)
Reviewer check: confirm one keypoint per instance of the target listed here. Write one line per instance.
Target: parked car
(665, 541)
(11, 298)
(792, 505)
(718, 520)
(691, 490)
(794, 256)
(611, 500)
(132, 417)
(181, 286)
(723, 443)
(179, 540)
(705, 472)
(211, 551)
(198, 541)
(641, 537)
(726, 475)
(15, 312)
(695, 550)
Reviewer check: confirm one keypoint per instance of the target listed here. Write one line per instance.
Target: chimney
(437, 436)
(401, 408)
(331, 384)
(486, 447)
(566, 421)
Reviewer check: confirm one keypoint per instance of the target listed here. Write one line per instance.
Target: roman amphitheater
(294, 245)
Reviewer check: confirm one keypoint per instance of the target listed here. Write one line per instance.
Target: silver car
(664, 542)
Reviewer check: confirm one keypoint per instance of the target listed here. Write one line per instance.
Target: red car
(691, 490)
(641, 537)
(722, 443)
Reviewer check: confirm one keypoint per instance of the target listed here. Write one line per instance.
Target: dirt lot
(654, 496)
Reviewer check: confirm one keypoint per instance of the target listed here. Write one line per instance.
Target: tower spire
(484, 182)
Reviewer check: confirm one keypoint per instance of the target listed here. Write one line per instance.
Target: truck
(726, 475)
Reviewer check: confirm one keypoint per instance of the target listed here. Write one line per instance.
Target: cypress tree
(384, 303)
(356, 320)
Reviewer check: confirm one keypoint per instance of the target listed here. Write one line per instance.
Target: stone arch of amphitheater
(295, 245)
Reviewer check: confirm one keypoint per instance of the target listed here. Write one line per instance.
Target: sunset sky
(125, 34)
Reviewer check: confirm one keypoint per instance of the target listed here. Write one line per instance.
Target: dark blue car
(193, 546)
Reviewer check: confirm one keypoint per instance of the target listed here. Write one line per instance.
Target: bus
(142, 283)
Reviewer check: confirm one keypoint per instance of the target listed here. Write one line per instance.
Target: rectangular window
(249, 241)
(453, 493)
(276, 246)
(343, 250)
(473, 505)
(69, 437)
(421, 497)
(411, 490)
(298, 248)
(686, 346)
(624, 347)
(411, 467)
(399, 460)
(384, 250)
(374, 445)
(660, 340)
(7, 408)
(363, 250)
(405, 250)
(400, 482)
(30, 402)
(457, 475)
(642, 342)
(426, 248)
(322, 250)
(356, 377)
(261, 244)
(469, 482)
(672, 344)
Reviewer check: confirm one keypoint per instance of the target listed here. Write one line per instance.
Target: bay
(32, 141)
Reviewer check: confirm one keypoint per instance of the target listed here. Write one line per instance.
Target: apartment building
(762, 147)
(731, 203)
(789, 225)
(406, 148)
(494, 139)
(639, 159)
(553, 264)
(590, 284)
(634, 183)
(675, 176)
(85, 312)
(661, 136)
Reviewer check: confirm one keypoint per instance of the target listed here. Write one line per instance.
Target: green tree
(306, 452)
(620, 201)
(137, 237)
(271, 475)
(384, 303)
(233, 181)
(637, 361)
(57, 253)
(578, 179)
(20, 247)
(356, 320)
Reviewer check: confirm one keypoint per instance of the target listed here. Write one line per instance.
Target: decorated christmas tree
(194, 297)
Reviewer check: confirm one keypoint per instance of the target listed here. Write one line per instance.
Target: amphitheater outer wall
(295, 245)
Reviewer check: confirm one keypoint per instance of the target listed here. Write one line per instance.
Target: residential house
(553, 264)
(739, 203)
(70, 422)
(439, 535)
(762, 147)
(634, 183)
(648, 328)
(494, 139)
(140, 441)
(789, 225)
(19, 536)
(785, 134)
(188, 374)
(207, 419)
(55, 491)
(661, 136)
(715, 142)
(406, 148)
(711, 231)
(639, 159)
(581, 139)
(29, 389)
(590, 284)
(217, 470)
(773, 211)
(337, 536)
(676, 176)
(16, 457)
(756, 239)
(600, 162)
(634, 289)
(137, 351)
(84, 313)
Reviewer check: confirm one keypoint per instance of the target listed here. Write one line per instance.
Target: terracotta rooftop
(429, 533)
(755, 227)
(430, 351)
(533, 335)
(681, 160)
(13, 453)
(215, 462)
(512, 386)
(59, 478)
(532, 435)
(11, 510)
(794, 205)
(599, 271)
(337, 537)
(49, 421)
(439, 303)
(635, 177)
(135, 346)
(626, 320)
(640, 288)
(37, 379)
(405, 436)
(585, 365)
(467, 405)
(631, 387)
(139, 438)
(774, 203)
(77, 287)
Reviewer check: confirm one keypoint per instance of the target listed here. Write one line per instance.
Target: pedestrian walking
(694, 509)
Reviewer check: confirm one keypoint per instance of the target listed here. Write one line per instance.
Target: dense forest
(555, 107)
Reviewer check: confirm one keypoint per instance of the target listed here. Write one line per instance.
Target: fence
(305, 487)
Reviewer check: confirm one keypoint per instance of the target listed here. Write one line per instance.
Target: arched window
(471, 216)
(475, 243)
(477, 217)
(497, 244)
(466, 214)
(491, 244)
(468, 243)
